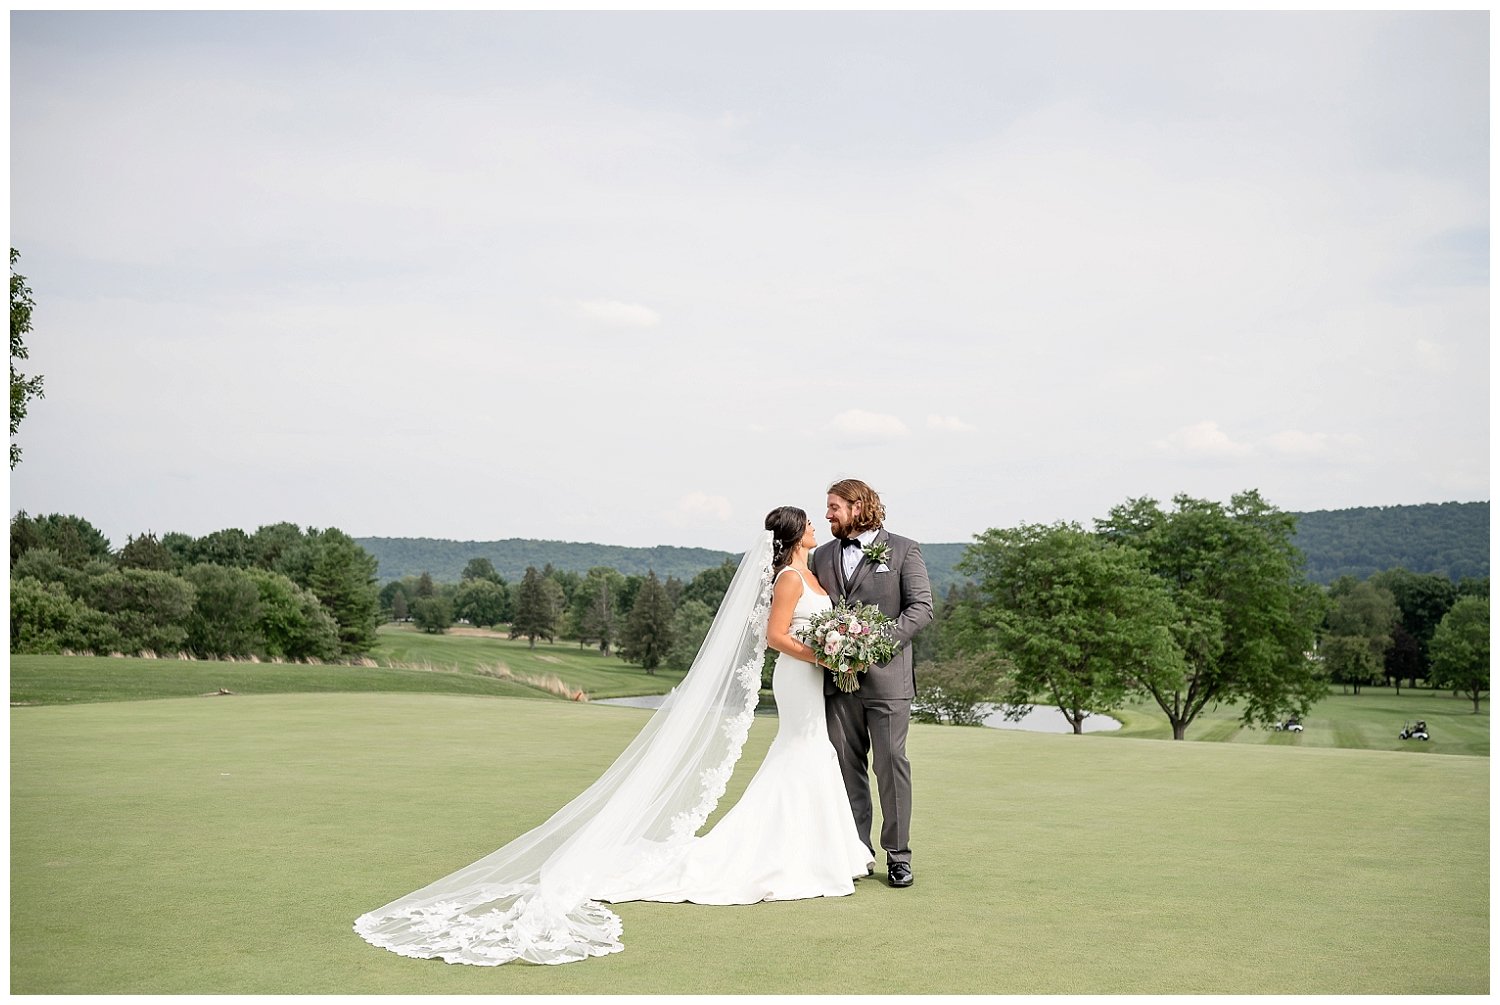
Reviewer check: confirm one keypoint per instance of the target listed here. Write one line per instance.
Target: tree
(228, 547)
(272, 541)
(596, 606)
(46, 566)
(146, 552)
(674, 588)
(1079, 623)
(535, 616)
(426, 588)
(389, 594)
(1245, 611)
(293, 622)
(625, 598)
(1403, 661)
(1461, 649)
(432, 615)
(45, 619)
(481, 568)
(648, 631)
(1474, 586)
(399, 608)
(557, 598)
(149, 609)
(74, 538)
(1422, 599)
(225, 620)
(958, 690)
(342, 576)
(710, 585)
(939, 639)
(182, 547)
(689, 629)
(22, 387)
(1358, 632)
(480, 601)
(565, 583)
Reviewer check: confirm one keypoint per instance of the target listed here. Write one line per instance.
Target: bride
(632, 835)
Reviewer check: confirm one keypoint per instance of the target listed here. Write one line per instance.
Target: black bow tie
(853, 542)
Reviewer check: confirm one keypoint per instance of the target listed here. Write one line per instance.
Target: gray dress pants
(857, 726)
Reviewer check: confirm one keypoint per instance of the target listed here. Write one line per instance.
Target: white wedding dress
(632, 835)
(792, 835)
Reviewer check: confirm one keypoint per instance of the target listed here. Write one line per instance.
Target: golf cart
(1292, 725)
(1417, 732)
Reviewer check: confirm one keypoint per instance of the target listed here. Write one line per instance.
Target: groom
(866, 564)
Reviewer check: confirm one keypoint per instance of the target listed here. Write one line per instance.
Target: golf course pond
(1040, 719)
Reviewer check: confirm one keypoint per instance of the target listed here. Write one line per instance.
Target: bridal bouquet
(850, 640)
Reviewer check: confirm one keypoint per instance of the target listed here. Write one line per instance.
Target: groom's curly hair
(853, 491)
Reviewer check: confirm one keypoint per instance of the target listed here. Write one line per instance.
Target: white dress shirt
(851, 556)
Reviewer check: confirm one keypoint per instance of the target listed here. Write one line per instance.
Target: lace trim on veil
(531, 899)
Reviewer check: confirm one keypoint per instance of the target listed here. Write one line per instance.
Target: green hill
(445, 560)
(1451, 539)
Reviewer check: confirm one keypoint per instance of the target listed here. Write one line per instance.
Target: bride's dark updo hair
(787, 524)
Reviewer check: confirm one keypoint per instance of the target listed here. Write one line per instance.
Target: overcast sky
(637, 279)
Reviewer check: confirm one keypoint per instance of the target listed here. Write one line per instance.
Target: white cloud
(617, 314)
(1204, 439)
(858, 426)
(696, 504)
(951, 423)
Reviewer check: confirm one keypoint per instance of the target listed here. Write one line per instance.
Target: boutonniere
(879, 553)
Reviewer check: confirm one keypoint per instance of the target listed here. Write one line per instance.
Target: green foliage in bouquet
(850, 640)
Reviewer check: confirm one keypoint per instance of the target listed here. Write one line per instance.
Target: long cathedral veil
(531, 899)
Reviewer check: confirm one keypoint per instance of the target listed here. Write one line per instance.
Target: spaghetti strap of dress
(799, 576)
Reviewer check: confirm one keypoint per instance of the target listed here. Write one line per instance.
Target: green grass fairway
(63, 680)
(446, 664)
(226, 846)
(586, 668)
(1368, 721)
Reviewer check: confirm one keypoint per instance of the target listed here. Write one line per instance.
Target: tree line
(1446, 539)
(1192, 606)
(280, 593)
(1199, 604)
(1397, 625)
(642, 619)
(444, 560)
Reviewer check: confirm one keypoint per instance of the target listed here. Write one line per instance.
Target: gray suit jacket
(902, 593)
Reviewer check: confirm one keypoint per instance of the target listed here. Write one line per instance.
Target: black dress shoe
(899, 874)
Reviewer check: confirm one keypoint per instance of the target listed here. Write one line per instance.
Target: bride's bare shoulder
(788, 584)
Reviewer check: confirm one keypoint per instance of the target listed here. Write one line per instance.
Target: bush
(293, 624)
(226, 615)
(149, 609)
(46, 565)
(479, 602)
(432, 615)
(957, 690)
(44, 619)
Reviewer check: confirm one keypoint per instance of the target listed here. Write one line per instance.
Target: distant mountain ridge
(1451, 539)
(445, 560)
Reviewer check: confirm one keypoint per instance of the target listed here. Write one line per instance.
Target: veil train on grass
(531, 899)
